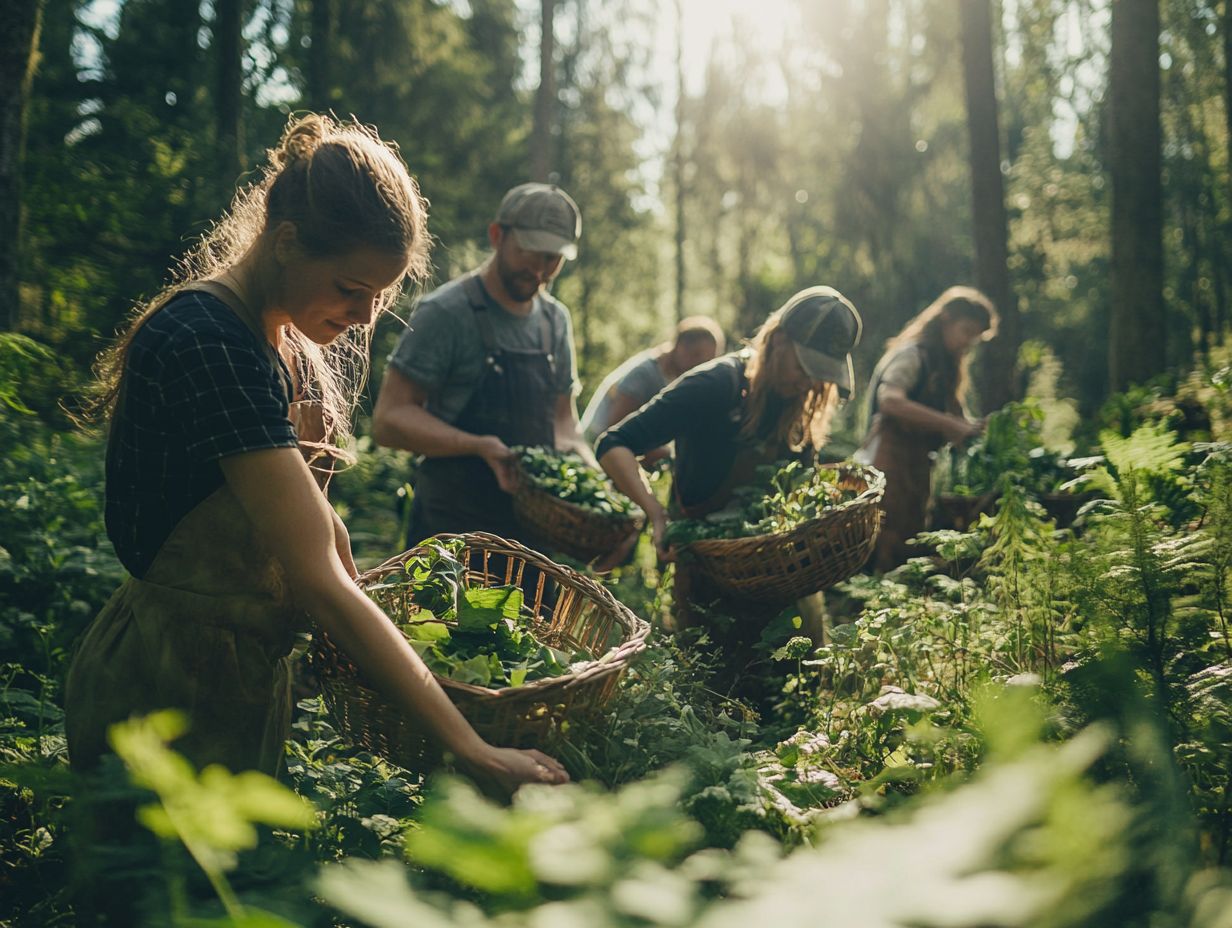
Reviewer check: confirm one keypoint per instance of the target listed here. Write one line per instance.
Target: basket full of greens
(522, 645)
(568, 506)
(1011, 448)
(799, 529)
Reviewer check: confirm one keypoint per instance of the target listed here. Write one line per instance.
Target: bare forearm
(364, 633)
(413, 428)
(567, 431)
(909, 412)
(622, 467)
(299, 528)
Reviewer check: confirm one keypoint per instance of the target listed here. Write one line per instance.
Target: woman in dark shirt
(211, 505)
(773, 399)
(915, 406)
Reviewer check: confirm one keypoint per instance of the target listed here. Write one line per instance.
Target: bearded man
(487, 363)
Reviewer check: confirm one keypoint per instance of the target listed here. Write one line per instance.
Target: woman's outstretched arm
(277, 491)
(893, 401)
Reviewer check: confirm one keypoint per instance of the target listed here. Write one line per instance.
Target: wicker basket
(813, 556)
(557, 525)
(575, 614)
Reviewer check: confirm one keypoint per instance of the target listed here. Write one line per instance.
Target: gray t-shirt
(442, 350)
(901, 369)
(638, 378)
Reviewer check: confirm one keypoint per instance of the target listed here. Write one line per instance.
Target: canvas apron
(903, 455)
(207, 630)
(515, 401)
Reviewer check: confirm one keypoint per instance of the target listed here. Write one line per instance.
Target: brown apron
(693, 596)
(207, 630)
(903, 456)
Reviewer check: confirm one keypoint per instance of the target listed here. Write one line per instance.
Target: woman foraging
(763, 404)
(915, 407)
(230, 544)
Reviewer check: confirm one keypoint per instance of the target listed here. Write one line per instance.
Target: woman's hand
(498, 457)
(500, 771)
(658, 519)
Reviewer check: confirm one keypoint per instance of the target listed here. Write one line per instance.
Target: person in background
(915, 407)
(766, 403)
(634, 383)
(230, 545)
(487, 363)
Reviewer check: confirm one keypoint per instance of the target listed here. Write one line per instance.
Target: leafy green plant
(479, 635)
(781, 498)
(214, 814)
(566, 476)
(1011, 449)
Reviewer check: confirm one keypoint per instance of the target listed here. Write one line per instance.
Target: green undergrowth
(1028, 726)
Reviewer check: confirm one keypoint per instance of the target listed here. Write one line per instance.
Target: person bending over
(230, 545)
(915, 407)
(763, 404)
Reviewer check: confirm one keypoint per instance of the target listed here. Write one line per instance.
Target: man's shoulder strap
(476, 298)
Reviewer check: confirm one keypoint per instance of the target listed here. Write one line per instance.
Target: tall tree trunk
(321, 32)
(1138, 330)
(1225, 248)
(996, 375)
(545, 97)
(229, 59)
(678, 161)
(19, 31)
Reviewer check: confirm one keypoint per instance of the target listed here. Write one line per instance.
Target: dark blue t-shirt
(198, 385)
(703, 413)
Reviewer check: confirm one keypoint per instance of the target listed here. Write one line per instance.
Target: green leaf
(482, 608)
(477, 670)
(378, 895)
(426, 631)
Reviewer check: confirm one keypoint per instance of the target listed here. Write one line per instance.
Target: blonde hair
(927, 329)
(805, 421)
(344, 189)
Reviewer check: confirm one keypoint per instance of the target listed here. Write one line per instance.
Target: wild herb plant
(1011, 448)
(567, 477)
(780, 499)
(1020, 563)
(213, 814)
(1134, 564)
(472, 634)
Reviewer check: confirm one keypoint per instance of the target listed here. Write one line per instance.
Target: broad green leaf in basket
(428, 631)
(480, 670)
(480, 609)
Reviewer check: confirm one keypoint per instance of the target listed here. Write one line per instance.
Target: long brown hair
(344, 189)
(806, 419)
(927, 329)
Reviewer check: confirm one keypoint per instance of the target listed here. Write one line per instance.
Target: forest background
(1070, 157)
(857, 143)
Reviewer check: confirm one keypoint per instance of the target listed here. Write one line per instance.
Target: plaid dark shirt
(198, 386)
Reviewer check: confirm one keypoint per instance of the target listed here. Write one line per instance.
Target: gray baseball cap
(824, 327)
(543, 218)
